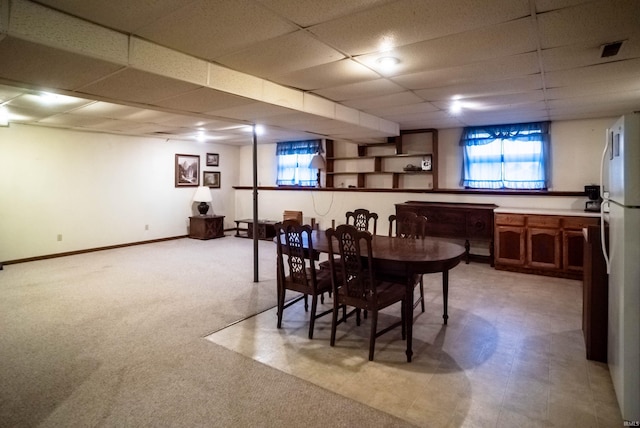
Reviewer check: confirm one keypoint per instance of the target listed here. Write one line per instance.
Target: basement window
(293, 160)
(512, 156)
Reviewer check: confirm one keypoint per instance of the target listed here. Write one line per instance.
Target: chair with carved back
(356, 284)
(296, 270)
(409, 225)
(362, 219)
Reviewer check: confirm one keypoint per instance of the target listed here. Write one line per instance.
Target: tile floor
(511, 355)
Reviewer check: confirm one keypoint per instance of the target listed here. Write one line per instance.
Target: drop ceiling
(309, 68)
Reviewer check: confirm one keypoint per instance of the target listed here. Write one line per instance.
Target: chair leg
(334, 323)
(306, 303)
(312, 318)
(372, 335)
(281, 293)
(422, 293)
(404, 320)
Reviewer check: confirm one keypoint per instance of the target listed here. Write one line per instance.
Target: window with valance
(512, 156)
(293, 159)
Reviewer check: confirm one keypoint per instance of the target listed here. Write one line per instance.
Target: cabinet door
(573, 250)
(510, 248)
(543, 248)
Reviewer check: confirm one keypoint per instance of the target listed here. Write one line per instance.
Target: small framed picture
(213, 159)
(211, 179)
(187, 170)
(427, 163)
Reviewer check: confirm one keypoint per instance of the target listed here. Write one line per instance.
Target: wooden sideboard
(457, 220)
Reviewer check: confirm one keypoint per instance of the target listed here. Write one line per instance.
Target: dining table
(405, 258)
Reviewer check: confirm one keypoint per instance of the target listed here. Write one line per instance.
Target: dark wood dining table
(407, 257)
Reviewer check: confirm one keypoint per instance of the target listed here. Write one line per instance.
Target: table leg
(408, 316)
(467, 248)
(445, 294)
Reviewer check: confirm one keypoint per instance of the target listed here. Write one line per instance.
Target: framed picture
(427, 164)
(211, 179)
(187, 170)
(213, 159)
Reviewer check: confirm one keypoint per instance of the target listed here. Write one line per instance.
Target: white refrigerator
(621, 194)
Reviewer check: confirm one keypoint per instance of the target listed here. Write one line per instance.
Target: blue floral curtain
(512, 156)
(294, 158)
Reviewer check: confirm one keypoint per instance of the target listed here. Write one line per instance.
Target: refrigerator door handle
(602, 236)
(602, 161)
(605, 201)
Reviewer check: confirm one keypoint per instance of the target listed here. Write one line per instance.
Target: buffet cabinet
(470, 222)
(541, 244)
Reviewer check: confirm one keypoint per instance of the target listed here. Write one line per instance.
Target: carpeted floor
(116, 338)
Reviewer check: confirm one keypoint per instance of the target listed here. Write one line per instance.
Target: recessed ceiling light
(388, 61)
(455, 107)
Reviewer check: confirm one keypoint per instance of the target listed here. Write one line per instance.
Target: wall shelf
(409, 145)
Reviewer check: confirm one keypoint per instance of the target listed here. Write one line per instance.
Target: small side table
(206, 226)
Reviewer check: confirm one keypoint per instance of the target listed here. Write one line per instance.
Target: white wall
(575, 158)
(97, 189)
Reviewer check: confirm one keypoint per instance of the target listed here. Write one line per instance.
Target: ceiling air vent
(610, 49)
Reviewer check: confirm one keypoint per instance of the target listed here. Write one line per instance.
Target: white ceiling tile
(123, 15)
(366, 89)
(273, 57)
(107, 110)
(460, 49)
(616, 88)
(208, 29)
(600, 22)
(202, 100)
(48, 67)
(73, 120)
(398, 111)
(582, 55)
(410, 21)
(481, 89)
(167, 62)
(597, 73)
(400, 98)
(47, 102)
(328, 75)
(482, 71)
(251, 112)
(310, 12)
(137, 86)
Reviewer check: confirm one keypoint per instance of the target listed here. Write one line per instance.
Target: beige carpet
(116, 339)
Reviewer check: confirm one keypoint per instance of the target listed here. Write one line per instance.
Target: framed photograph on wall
(211, 179)
(187, 170)
(213, 159)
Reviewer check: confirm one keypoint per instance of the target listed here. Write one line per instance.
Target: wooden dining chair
(356, 284)
(362, 219)
(409, 225)
(296, 252)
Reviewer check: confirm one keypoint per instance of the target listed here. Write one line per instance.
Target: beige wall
(97, 189)
(575, 159)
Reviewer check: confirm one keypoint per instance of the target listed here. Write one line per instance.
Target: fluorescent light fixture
(4, 116)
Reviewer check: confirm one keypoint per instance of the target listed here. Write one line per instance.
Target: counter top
(541, 211)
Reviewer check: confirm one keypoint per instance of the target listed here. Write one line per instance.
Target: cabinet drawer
(579, 222)
(543, 221)
(510, 219)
